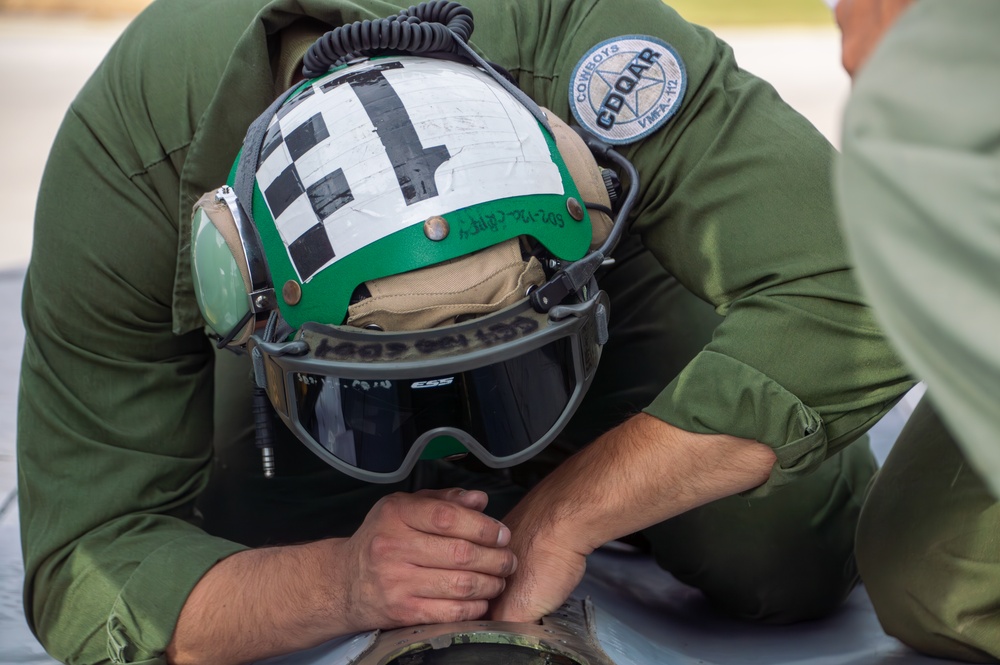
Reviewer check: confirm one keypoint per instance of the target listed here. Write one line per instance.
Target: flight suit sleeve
(115, 411)
(736, 203)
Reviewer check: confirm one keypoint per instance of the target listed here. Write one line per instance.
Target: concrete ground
(43, 63)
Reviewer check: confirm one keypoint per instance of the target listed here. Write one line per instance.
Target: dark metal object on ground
(565, 637)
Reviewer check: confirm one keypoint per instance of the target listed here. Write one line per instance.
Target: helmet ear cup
(586, 174)
(222, 219)
(219, 267)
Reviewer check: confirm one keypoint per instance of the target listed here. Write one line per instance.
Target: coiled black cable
(425, 28)
(430, 27)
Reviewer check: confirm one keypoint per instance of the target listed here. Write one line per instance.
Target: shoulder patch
(626, 88)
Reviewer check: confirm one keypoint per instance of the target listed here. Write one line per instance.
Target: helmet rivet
(436, 228)
(260, 302)
(574, 208)
(374, 326)
(291, 292)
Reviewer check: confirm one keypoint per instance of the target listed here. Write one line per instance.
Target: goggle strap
(568, 280)
(231, 335)
(259, 374)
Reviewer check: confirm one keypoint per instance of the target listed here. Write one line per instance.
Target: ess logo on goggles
(433, 383)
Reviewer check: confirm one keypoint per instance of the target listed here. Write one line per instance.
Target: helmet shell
(357, 161)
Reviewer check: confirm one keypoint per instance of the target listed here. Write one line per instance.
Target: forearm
(261, 603)
(642, 472)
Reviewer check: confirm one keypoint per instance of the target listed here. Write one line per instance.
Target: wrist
(546, 521)
(325, 585)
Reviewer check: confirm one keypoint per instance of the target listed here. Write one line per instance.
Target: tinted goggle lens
(505, 407)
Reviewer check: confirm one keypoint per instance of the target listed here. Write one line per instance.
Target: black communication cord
(576, 275)
(425, 28)
(438, 26)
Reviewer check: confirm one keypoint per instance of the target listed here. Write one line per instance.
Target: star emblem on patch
(626, 88)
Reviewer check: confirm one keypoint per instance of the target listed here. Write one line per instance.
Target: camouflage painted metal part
(565, 637)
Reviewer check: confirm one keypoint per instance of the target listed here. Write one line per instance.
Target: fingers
(432, 551)
(446, 513)
(437, 611)
(472, 499)
(458, 585)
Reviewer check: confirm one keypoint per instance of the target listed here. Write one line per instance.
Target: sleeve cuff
(144, 615)
(716, 394)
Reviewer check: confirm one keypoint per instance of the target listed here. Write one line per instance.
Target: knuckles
(443, 517)
(487, 531)
(463, 553)
(471, 610)
(509, 565)
(461, 586)
(461, 611)
(391, 506)
(420, 611)
(381, 547)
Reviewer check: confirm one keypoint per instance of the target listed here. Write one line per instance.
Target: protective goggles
(370, 404)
